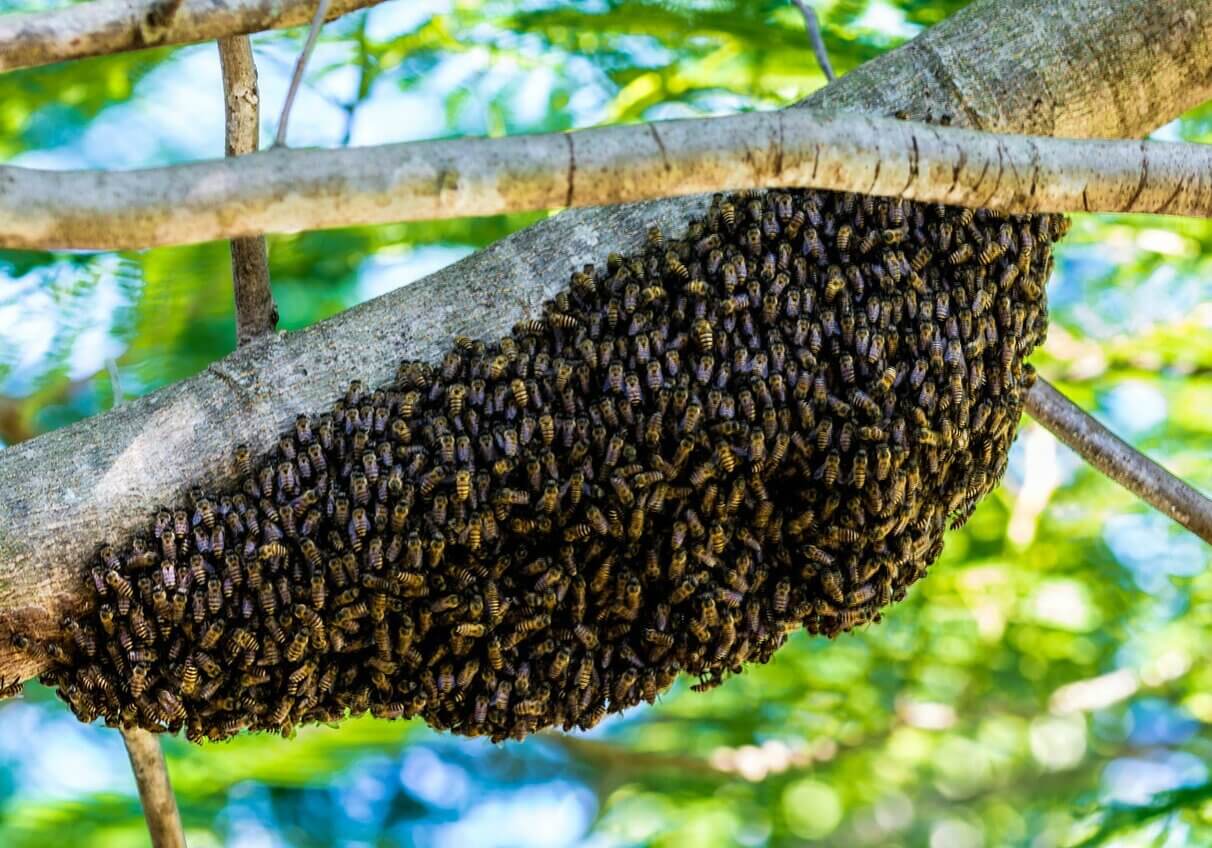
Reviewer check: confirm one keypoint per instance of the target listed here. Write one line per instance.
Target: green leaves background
(1048, 684)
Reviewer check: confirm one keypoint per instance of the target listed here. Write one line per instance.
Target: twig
(155, 790)
(292, 190)
(814, 35)
(102, 27)
(256, 312)
(115, 381)
(1118, 460)
(297, 77)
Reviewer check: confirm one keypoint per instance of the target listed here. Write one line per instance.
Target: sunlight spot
(953, 833)
(394, 19)
(1199, 705)
(386, 271)
(545, 816)
(812, 809)
(1135, 780)
(1171, 665)
(1040, 480)
(1058, 742)
(1165, 242)
(1135, 406)
(1095, 693)
(886, 19)
(990, 620)
(894, 812)
(754, 763)
(926, 715)
(434, 781)
(1064, 604)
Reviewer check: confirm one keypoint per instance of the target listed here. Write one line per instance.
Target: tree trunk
(1062, 67)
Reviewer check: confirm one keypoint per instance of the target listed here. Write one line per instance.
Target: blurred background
(1048, 685)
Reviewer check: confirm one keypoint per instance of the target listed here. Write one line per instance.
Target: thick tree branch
(1120, 461)
(255, 309)
(113, 26)
(288, 191)
(155, 792)
(62, 494)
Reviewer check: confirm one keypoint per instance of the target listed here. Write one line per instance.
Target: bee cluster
(696, 450)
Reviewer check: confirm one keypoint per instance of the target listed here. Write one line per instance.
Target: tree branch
(155, 792)
(113, 26)
(288, 191)
(63, 493)
(256, 312)
(1120, 461)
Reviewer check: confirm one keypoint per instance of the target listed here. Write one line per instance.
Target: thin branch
(155, 791)
(115, 382)
(256, 312)
(813, 25)
(1118, 460)
(297, 77)
(293, 190)
(113, 26)
(1149, 59)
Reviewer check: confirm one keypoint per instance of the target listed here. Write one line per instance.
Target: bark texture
(256, 312)
(1115, 458)
(155, 791)
(1072, 67)
(113, 26)
(288, 191)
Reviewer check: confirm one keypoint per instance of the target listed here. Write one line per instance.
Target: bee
(830, 469)
(782, 596)
(960, 255)
(119, 584)
(243, 461)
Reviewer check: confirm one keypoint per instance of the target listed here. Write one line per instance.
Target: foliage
(1047, 685)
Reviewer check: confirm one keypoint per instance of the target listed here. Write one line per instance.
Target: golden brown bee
(782, 596)
(831, 583)
(119, 584)
(830, 469)
(243, 461)
(960, 255)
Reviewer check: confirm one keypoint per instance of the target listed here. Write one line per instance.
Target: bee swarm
(695, 451)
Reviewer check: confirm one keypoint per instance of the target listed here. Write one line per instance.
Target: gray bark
(291, 190)
(30, 39)
(155, 791)
(256, 313)
(1068, 67)
(1115, 458)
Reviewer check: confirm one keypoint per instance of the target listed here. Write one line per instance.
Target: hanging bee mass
(760, 427)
